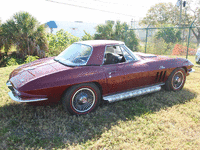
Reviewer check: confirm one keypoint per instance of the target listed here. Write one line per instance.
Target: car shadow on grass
(24, 126)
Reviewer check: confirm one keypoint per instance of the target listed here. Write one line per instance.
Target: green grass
(162, 120)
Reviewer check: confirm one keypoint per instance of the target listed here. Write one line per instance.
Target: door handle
(110, 73)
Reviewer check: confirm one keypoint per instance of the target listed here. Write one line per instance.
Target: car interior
(113, 55)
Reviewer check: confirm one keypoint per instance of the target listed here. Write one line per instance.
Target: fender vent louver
(160, 76)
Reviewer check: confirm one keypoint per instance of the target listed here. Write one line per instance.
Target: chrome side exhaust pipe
(133, 93)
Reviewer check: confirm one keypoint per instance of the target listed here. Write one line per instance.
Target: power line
(113, 3)
(90, 8)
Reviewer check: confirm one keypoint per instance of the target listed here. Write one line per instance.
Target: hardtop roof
(101, 42)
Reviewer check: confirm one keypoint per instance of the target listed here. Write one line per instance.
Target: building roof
(52, 24)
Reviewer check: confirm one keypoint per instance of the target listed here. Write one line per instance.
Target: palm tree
(24, 31)
(1, 43)
(117, 31)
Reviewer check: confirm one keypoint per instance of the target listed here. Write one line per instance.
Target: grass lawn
(162, 120)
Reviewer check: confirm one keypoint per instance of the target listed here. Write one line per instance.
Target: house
(76, 28)
(50, 26)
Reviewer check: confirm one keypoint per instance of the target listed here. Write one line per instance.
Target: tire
(198, 62)
(81, 99)
(176, 80)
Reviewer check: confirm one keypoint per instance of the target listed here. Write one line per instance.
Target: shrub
(59, 42)
(11, 62)
(31, 58)
(87, 36)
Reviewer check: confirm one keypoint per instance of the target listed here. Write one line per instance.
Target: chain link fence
(167, 40)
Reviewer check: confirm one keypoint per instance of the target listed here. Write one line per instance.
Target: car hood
(151, 57)
(144, 55)
(159, 61)
(30, 66)
(35, 69)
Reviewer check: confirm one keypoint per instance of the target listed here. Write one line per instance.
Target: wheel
(198, 62)
(197, 59)
(81, 99)
(176, 80)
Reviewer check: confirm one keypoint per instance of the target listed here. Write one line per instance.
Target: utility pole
(181, 5)
(132, 23)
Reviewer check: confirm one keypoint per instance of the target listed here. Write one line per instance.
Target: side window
(126, 55)
(113, 55)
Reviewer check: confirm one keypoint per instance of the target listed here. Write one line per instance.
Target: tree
(118, 31)
(169, 35)
(161, 14)
(131, 40)
(87, 36)
(24, 31)
(1, 40)
(166, 13)
(60, 41)
(194, 18)
(105, 31)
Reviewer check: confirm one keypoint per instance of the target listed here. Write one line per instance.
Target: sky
(66, 10)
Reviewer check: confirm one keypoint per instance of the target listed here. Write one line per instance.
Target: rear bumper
(13, 95)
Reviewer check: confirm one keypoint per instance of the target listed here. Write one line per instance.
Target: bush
(59, 42)
(157, 46)
(31, 58)
(87, 36)
(11, 62)
(160, 47)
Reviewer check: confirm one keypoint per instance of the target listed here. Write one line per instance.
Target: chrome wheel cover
(83, 100)
(178, 80)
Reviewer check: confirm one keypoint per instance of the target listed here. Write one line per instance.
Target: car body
(88, 72)
(197, 57)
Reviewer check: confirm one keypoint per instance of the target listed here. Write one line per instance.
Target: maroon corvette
(88, 72)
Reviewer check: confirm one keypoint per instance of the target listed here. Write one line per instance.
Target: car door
(136, 71)
(115, 75)
(126, 74)
(114, 70)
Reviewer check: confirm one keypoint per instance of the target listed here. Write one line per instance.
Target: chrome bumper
(19, 99)
(8, 83)
(192, 70)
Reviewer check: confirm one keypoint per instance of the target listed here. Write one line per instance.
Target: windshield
(131, 53)
(75, 55)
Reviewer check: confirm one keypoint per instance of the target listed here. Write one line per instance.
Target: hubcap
(177, 80)
(83, 100)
